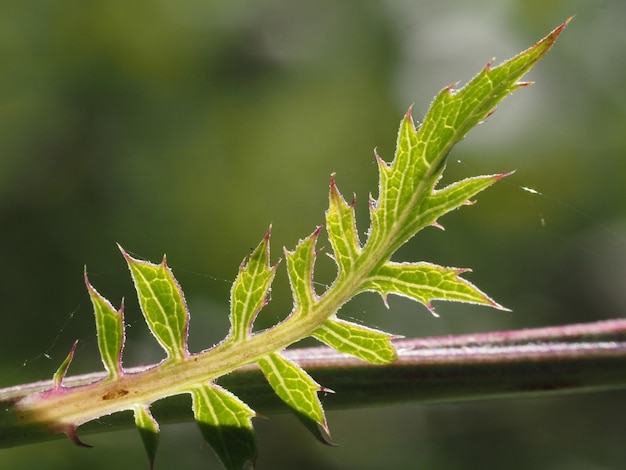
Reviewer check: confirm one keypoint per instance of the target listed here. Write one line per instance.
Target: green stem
(572, 358)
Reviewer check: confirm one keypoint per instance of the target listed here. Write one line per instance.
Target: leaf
(225, 422)
(425, 282)
(148, 430)
(295, 387)
(365, 343)
(405, 185)
(162, 304)
(300, 264)
(408, 201)
(442, 201)
(110, 331)
(342, 230)
(249, 293)
(59, 375)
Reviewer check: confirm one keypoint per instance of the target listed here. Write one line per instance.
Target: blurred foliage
(187, 128)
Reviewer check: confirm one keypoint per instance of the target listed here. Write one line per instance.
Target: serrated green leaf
(162, 304)
(425, 282)
(407, 202)
(110, 331)
(294, 386)
(300, 263)
(249, 293)
(444, 200)
(148, 430)
(406, 183)
(342, 231)
(371, 345)
(226, 424)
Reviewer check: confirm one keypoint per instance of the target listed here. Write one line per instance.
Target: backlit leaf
(408, 200)
(148, 430)
(294, 386)
(250, 291)
(425, 282)
(342, 231)
(162, 304)
(300, 264)
(59, 375)
(421, 153)
(226, 424)
(110, 331)
(365, 343)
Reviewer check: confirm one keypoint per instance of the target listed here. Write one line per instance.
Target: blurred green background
(189, 127)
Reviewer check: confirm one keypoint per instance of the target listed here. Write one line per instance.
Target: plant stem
(571, 358)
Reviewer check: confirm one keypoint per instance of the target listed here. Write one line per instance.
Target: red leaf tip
(385, 300)
(86, 278)
(566, 22)
(503, 175)
(497, 306)
(431, 309)
(409, 113)
(317, 231)
(60, 373)
(120, 248)
(72, 435)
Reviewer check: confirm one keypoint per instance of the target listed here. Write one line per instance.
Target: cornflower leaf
(148, 430)
(425, 282)
(342, 230)
(109, 330)
(295, 387)
(226, 424)
(300, 264)
(59, 375)
(408, 201)
(369, 344)
(250, 291)
(162, 305)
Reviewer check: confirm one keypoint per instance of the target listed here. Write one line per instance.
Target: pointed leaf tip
(566, 22)
(431, 309)
(504, 175)
(321, 433)
(409, 113)
(119, 247)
